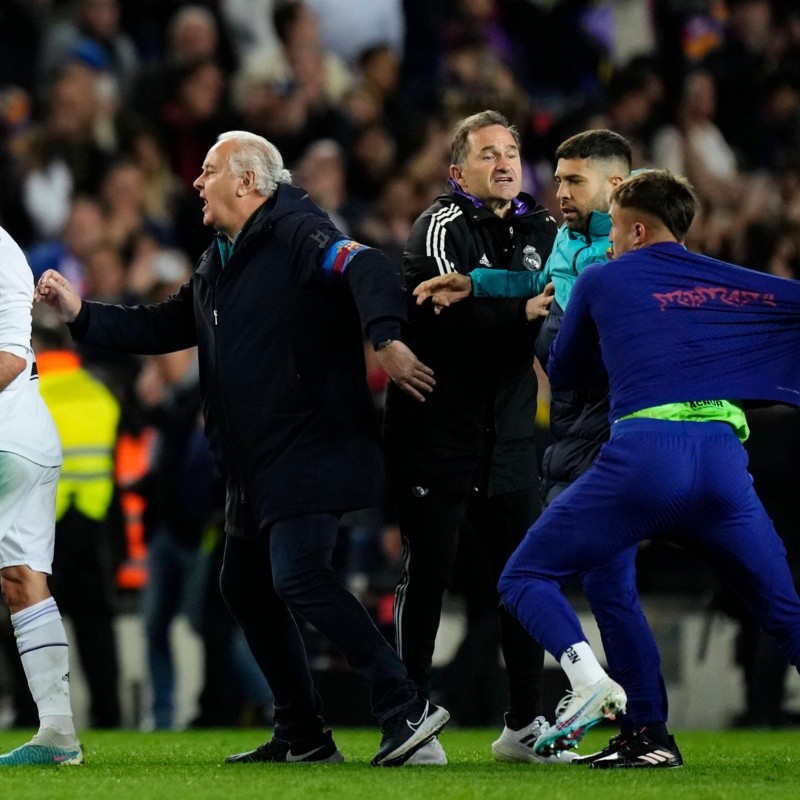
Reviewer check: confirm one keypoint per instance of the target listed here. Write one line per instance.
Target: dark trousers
(83, 586)
(285, 571)
(429, 522)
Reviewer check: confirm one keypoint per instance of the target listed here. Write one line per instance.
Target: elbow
(11, 367)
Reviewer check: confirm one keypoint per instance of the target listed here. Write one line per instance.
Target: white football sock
(43, 648)
(581, 666)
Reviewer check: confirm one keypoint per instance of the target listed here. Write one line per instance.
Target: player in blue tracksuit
(698, 335)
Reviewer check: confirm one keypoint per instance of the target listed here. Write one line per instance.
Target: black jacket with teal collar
(287, 409)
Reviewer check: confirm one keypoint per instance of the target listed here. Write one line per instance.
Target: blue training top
(675, 326)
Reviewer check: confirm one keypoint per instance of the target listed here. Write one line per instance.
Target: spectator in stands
(93, 23)
(196, 111)
(349, 29)
(69, 254)
(61, 156)
(321, 172)
(732, 200)
(292, 96)
(192, 34)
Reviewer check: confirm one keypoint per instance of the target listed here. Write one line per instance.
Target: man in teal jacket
(589, 166)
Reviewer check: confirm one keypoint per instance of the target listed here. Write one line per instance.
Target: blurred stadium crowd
(108, 107)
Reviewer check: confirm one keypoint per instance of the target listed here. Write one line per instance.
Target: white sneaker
(518, 745)
(578, 711)
(429, 755)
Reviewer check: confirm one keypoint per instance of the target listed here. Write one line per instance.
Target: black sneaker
(316, 749)
(635, 751)
(610, 748)
(406, 732)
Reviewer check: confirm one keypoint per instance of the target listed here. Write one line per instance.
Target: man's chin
(576, 224)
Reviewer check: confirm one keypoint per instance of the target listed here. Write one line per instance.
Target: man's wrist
(382, 344)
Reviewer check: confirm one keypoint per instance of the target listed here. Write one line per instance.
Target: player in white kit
(30, 463)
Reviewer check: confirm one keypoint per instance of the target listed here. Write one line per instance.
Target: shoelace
(617, 743)
(540, 726)
(564, 703)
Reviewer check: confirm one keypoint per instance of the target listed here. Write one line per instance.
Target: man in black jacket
(274, 309)
(468, 453)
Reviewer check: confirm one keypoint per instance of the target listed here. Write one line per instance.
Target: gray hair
(483, 119)
(254, 153)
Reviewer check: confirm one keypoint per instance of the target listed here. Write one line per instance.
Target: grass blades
(127, 765)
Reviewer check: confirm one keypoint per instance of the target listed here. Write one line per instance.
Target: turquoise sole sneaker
(42, 755)
(578, 711)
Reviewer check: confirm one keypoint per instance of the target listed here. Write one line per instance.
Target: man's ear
(616, 180)
(247, 184)
(456, 175)
(640, 234)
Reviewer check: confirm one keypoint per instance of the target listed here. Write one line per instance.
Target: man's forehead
(583, 167)
(216, 155)
(491, 137)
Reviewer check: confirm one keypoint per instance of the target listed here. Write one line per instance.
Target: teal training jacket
(571, 253)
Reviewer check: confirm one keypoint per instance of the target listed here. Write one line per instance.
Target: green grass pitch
(125, 765)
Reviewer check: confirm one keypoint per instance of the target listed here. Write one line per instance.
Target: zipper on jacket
(222, 400)
(577, 253)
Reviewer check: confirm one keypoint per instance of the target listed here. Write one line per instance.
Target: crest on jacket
(531, 258)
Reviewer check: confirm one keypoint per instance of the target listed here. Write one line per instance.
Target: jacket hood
(285, 200)
(288, 199)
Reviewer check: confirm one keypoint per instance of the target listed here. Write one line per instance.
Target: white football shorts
(27, 513)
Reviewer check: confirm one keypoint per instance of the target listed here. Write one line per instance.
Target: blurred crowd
(108, 107)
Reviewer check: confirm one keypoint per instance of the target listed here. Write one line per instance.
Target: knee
(614, 583)
(22, 587)
(291, 586)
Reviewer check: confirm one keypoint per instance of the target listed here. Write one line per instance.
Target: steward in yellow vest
(87, 416)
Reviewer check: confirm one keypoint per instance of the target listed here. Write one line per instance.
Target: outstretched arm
(444, 290)
(148, 329)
